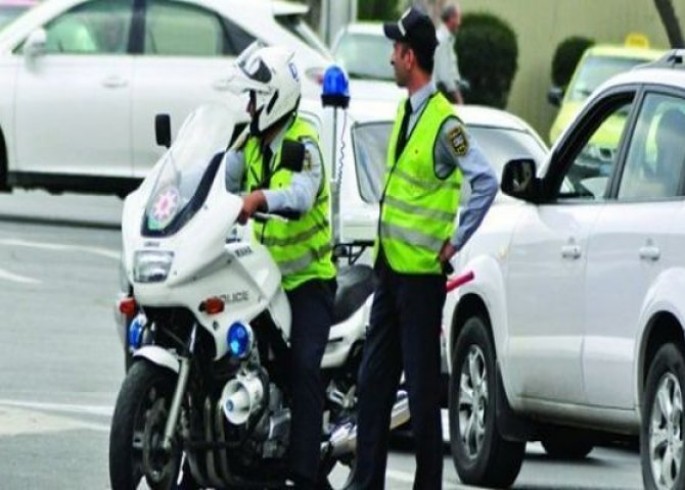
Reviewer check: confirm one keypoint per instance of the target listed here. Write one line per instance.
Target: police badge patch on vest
(458, 141)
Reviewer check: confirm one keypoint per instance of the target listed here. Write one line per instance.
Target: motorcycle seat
(355, 284)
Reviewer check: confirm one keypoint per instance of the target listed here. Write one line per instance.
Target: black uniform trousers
(311, 304)
(404, 334)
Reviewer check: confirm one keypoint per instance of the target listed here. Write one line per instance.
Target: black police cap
(415, 29)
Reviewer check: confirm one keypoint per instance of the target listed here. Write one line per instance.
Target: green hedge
(377, 9)
(566, 57)
(488, 58)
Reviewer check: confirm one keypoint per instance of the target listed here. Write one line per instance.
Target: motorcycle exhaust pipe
(343, 439)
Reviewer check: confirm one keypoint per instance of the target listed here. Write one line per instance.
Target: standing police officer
(280, 165)
(429, 151)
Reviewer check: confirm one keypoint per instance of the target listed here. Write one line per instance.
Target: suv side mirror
(555, 96)
(519, 180)
(35, 44)
(163, 130)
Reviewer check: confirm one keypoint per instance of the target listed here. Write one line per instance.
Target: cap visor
(392, 31)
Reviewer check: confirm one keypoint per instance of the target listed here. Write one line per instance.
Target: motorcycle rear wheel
(137, 430)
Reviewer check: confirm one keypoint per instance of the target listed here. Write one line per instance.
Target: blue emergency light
(336, 88)
(240, 340)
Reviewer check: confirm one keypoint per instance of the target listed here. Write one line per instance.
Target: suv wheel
(661, 436)
(481, 456)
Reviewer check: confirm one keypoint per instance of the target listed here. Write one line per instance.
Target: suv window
(99, 27)
(654, 164)
(592, 165)
(176, 29)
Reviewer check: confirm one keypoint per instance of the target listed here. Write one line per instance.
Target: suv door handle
(222, 84)
(650, 253)
(114, 82)
(571, 251)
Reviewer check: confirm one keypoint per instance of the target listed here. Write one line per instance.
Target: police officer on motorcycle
(280, 167)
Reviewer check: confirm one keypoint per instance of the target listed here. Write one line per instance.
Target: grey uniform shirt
(473, 165)
(446, 66)
(304, 186)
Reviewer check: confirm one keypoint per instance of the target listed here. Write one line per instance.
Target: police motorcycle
(206, 402)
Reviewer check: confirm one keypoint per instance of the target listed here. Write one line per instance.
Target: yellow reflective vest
(418, 208)
(302, 248)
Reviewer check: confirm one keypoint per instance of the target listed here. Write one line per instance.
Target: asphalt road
(61, 362)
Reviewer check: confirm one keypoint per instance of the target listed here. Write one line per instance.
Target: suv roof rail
(674, 58)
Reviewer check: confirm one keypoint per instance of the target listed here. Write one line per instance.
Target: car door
(627, 249)
(72, 102)
(547, 258)
(185, 61)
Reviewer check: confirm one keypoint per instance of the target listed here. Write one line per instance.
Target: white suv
(82, 80)
(572, 327)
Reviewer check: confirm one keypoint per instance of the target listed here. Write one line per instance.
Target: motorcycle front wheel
(135, 442)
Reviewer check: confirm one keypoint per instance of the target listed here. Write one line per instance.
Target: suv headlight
(151, 265)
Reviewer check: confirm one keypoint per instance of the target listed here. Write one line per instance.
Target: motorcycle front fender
(158, 356)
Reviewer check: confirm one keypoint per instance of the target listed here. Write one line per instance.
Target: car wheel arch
(662, 328)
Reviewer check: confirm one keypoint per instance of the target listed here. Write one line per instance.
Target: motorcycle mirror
(163, 130)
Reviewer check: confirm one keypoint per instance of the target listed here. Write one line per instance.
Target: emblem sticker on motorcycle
(164, 207)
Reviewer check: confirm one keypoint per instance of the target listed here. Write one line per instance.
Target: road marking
(17, 278)
(103, 410)
(16, 421)
(102, 252)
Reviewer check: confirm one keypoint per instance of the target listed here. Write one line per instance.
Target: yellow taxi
(598, 64)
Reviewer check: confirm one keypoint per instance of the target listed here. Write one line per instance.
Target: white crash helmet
(270, 76)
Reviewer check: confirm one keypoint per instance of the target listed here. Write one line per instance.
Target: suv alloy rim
(665, 432)
(473, 401)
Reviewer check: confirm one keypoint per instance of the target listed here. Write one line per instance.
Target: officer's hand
(251, 204)
(447, 252)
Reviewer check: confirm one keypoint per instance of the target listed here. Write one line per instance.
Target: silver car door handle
(571, 251)
(650, 252)
(221, 84)
(114, 82)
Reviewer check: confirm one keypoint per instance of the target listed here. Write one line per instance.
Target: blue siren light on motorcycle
(336, 88)
(240, 339)
(135, 333)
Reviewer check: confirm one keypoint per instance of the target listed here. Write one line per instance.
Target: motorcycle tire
(144, 397)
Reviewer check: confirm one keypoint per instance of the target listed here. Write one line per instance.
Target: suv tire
(661, 434)
(480, 454)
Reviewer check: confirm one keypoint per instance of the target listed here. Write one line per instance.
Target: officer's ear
(292, 155)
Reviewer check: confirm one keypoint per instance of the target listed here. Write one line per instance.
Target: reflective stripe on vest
(418, 208)
(301, 248)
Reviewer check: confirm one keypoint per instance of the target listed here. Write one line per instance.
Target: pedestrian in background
(446, 74)
(428, 152)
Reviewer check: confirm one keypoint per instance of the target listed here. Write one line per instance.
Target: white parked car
(364, 52)
(573, 324)
(82, 80)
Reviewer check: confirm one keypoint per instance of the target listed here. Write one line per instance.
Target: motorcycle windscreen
(188, 171)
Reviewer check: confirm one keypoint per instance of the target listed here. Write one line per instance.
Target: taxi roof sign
(637, 40)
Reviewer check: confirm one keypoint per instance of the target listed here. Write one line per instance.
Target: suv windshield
(354, 51)
(297, 26)
(9, 13)
(595, 70)
(188, 170)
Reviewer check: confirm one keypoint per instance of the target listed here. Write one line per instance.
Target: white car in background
(364, 52)
(82, 80)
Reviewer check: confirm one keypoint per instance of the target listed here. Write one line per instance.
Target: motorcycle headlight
(151, 265)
